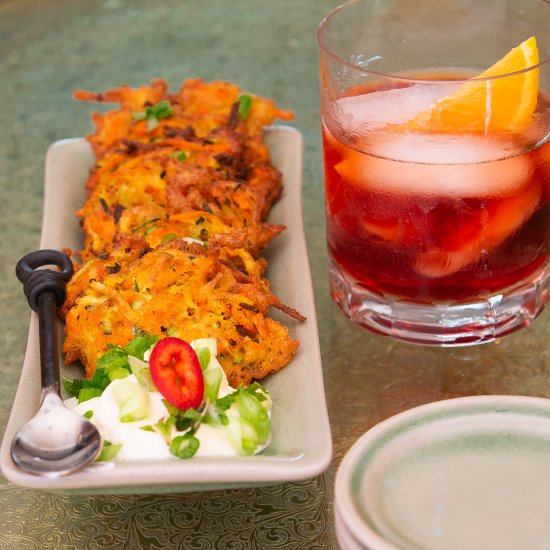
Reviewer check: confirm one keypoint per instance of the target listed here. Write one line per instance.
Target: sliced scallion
(184, 446)
(153, 114)
(109, 451)
(132, 399)
(203, 355)
(245, 104)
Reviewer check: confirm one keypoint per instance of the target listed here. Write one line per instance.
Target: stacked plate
(467, 473)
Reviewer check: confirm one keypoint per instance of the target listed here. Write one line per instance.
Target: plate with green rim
(471, 472)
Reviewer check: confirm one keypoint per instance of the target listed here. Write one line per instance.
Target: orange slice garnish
(499, 105)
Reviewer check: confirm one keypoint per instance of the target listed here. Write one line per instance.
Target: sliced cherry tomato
(177, 374)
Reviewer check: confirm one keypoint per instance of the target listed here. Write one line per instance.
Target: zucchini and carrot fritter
(174, 223)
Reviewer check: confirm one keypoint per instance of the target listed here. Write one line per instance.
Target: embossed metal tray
(301, 447)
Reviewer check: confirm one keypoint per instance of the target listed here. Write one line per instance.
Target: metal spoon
(56, 441)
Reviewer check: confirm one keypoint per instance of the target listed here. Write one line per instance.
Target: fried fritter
(201, 106)
(174, 223)
(200, 226)
(199, 155)
(179, 289)
(166, 185)
(126, 249)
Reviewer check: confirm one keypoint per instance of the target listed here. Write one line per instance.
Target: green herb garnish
(85, 389)
(245, 103)
(149, 229)
(163, 428)
(179, 155)
(140, 344)
(153, 114)
(112, 365)
(184, 446)
(216, 411)
(184, 420)
(169, 237)
(144, 224)
(109, 451)
(203, 355)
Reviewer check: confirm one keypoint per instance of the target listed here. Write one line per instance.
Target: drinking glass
(437, 176)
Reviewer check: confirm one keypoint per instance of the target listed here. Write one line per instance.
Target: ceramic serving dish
(301, 447)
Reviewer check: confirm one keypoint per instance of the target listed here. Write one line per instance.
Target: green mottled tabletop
(49, 48)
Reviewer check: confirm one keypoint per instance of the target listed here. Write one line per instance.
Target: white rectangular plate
(301, 447)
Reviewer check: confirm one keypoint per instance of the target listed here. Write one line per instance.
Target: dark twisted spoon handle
(45, 291)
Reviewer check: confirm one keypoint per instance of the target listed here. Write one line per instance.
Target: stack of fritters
(174, 223)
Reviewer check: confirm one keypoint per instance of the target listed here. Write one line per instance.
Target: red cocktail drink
(437, 174)
(433, 217)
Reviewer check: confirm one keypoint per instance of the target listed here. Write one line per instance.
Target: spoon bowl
(56, 441)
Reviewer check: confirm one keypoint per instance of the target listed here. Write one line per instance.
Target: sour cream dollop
(136, 438)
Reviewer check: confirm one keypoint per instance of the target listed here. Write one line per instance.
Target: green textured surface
(49, 48)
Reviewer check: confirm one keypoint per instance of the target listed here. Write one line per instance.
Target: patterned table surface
(49, 48)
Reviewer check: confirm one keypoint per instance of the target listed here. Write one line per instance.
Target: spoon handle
(45, 291)
(47, 329)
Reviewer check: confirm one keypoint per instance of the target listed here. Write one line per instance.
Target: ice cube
(503, 220)
(378, 109)
(437, 165)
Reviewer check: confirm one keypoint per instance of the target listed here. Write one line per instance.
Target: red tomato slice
(177, 374)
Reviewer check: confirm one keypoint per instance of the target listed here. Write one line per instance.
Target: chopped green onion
(184, 420)
(169, 237)
(204, 357)
(249, 437)
(100, 379)
(132, 399)
(216, 413)
(215, 416)
(85, 389)
(88, 393)
(88, 414)
(140, 344)
(118, 373)
(72, 387)
(144, 224)
(252, 411)
(245, 103)
(251, 426)
(179, 155)
(109, 451)
(107, 328)
(113, 358)
(140, 369)
(149, 230)
(212, 381)
(153, 114)
(184, 446)
(164, 429)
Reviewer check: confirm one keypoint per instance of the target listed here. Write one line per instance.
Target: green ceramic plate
(467, 473)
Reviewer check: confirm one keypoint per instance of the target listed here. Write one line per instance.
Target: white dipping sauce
(139, 444)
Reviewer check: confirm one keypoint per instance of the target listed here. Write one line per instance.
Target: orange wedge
(497, 105)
